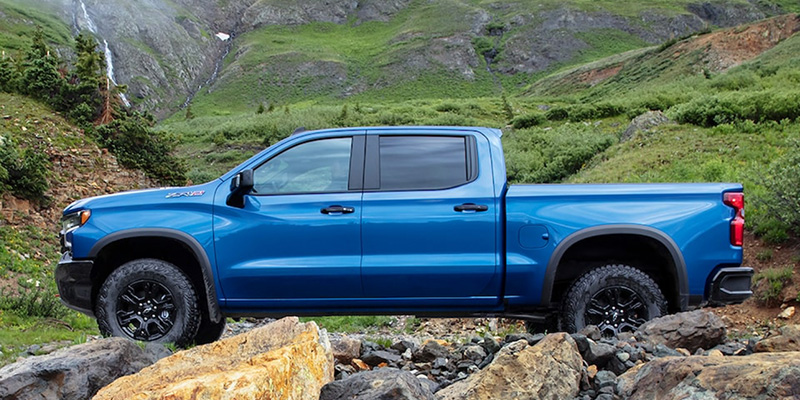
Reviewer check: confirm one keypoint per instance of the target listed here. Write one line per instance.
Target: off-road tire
(638, 299)
(174, 311)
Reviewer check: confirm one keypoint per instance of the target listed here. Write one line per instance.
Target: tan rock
(683, 351)
(758, 376)
(591, 371)
(282, 360)
(787, 313)
(715, 353)
(787, 340)
(360, 365)
(551, 369)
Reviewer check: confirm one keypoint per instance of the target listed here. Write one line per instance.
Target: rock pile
(585, 365)
(673, 357)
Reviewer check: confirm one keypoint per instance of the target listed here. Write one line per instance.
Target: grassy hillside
(18, 20)
(445, 49)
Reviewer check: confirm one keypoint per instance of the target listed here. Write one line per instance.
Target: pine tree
(41, 78)
(9, 74)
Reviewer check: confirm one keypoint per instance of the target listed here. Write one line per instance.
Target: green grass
(351, 324)
(19, 20)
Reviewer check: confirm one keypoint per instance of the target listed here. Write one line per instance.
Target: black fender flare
(214, 312)
(617, 229)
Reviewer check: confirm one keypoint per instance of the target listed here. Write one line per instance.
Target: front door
(297, 238)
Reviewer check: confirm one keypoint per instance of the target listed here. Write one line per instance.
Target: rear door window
(423, 162)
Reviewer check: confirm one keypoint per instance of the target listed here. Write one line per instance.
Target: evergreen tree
(41, 78)
(9, 74)
(86, 96)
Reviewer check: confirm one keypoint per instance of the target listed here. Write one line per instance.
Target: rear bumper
(73, 278)
(731, 286)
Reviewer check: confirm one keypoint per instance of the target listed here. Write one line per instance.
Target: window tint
(422, 162)
(311, 167)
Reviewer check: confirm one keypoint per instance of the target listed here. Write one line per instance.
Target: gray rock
(429, 351)
(532, 339)
(592, 332)
(688, 330)
(345, 348)
(581, 341)
(604, 379)
(380, 384)
(404, 345)
(664, 351)
(490, 344)
(475, 353)
(623, 356)
(77, 372)
(599, 354)
(377, 357)
(645, 122)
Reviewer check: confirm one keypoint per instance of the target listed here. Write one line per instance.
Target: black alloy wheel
(616, 309)
(145, 310)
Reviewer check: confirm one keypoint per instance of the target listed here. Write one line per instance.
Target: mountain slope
(287, 51)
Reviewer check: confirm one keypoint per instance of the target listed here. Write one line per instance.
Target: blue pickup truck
(397, 220)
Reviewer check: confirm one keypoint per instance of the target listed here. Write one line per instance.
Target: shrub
(136, 146)
(25, 173)
(771, 105)
(557, 114)
(448, 107)
(528, 121)
(32, 299)
(770, 283)
(780, 200)
(541, 156)
(764, 255)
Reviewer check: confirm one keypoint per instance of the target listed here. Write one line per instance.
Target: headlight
(74, 220)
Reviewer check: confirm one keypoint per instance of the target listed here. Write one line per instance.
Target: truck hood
(143, 197)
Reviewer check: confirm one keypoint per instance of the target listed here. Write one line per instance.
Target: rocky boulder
(380, 384)
(758, 376)
(645, 122)
(788, 340)
(77, 372)
(284, 359)
(551, 369)
(689, 330)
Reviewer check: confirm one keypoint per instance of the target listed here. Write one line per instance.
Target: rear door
(428, 220)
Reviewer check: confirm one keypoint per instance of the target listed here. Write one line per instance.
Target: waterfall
(109, 62)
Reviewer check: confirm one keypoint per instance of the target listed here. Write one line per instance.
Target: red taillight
(736, 200)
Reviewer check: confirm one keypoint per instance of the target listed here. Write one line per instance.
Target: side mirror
(241, 184)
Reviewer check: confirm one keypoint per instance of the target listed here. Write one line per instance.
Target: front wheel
(615, 298)
(149, 300)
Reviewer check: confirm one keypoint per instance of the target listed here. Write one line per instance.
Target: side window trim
(372, 164)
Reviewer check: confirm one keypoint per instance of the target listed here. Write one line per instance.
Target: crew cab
(397, 220)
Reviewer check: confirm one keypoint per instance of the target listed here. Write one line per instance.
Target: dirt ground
(753, 317)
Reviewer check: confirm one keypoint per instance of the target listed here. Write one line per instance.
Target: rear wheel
(149, 300)
(615, 298)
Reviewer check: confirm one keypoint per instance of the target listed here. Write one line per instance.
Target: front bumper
(73, 278)
(731, 286)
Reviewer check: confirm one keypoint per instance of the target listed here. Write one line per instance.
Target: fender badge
(186, 194)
